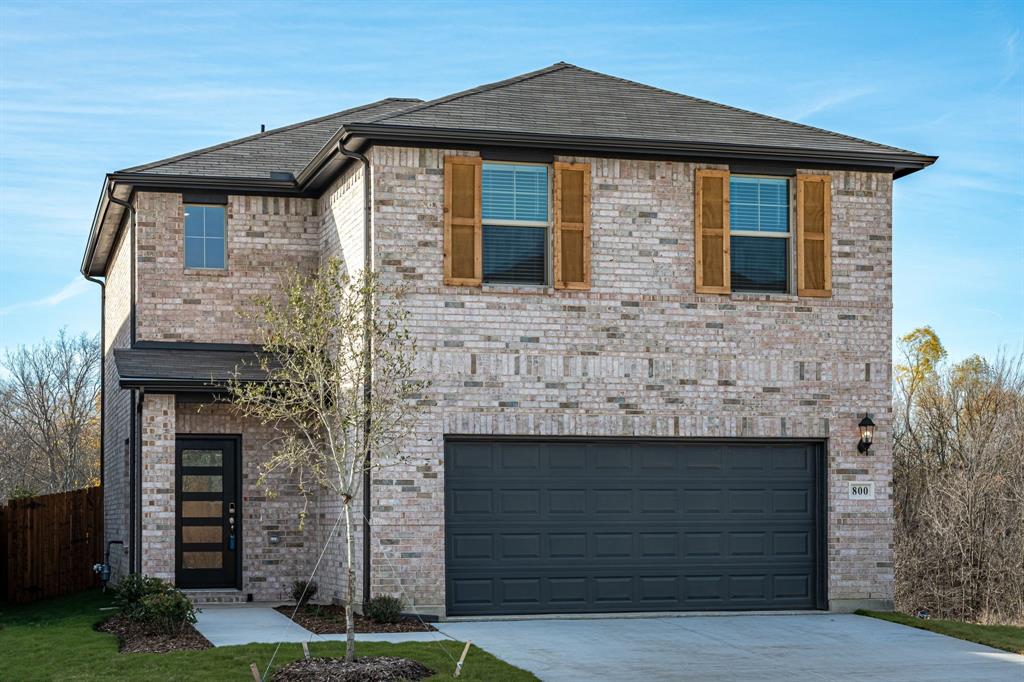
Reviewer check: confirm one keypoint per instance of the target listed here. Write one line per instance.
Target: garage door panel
(519, 501)
(567, 501)
(571, 458)
(577, 527)
(471, 458)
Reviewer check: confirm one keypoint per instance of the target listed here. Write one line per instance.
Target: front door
(208, 512)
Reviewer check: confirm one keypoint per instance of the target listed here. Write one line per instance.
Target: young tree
(340, 391)
(49, 415)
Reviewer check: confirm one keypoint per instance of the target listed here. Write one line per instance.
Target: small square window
(515, 206)
(204, 236)
(759, 228)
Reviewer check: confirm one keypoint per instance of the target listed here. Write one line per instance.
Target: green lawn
(55, 640)
(1005, 637)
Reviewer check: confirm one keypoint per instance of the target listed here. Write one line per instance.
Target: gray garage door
(563, 527)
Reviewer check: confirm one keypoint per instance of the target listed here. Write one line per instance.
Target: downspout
(367, 365)
(135, 464)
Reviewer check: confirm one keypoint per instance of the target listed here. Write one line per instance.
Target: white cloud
(827, 101)
(75, 287)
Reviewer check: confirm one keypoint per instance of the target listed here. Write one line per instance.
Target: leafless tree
(958, 480)
(340, 386)
(49, 416)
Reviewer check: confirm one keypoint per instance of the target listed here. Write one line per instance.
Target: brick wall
(117, 407)
(158, 499)
(640, 354)
(342, 237)
(266, 236)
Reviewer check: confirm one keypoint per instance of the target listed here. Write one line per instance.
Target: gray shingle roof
(184, 366)
(286, 149)
(564, 99)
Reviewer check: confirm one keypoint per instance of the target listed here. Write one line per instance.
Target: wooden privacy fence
(49, 543)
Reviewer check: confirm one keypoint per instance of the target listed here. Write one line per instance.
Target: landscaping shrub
(154, 603)
(166, 612)
(303, 591)
(130, 590)
(385, 609)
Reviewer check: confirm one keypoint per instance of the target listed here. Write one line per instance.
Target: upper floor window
(204, 236)
(759, 228)
(516, 214)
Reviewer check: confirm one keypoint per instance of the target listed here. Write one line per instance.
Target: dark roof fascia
(899, 164)
(195, 345)
(173, 385)
(155, 182)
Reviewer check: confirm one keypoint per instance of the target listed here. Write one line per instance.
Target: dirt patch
(136, 639)
(329, 619)
(367, 669)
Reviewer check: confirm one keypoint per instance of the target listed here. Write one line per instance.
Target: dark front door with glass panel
(208, 512)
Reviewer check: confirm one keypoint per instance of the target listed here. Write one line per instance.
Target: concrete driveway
(789, 648)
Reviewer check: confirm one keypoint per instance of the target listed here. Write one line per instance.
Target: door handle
(231, 526)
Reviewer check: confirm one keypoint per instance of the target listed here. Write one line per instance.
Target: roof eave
(183, 384)
(900, 163)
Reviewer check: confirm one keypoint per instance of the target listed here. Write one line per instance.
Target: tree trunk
(350, 598)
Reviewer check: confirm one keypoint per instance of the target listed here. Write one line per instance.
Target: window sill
(534, 289)
(203, 272)
(751, 296)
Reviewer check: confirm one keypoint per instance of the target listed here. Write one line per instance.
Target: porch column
(158, 528)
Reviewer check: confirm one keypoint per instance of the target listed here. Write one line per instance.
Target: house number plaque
(862, 490)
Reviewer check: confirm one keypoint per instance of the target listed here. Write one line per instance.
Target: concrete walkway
(787, 648)
(237, 624)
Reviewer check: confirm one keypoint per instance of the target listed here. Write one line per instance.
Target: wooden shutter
(711, 240)
(572, 226)
(814, 235)
(463, 227)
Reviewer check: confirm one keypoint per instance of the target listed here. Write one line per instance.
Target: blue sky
(87, 88)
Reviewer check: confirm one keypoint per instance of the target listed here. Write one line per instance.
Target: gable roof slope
(564, 99)
(286, 149)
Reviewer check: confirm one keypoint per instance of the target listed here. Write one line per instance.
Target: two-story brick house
(652, 325)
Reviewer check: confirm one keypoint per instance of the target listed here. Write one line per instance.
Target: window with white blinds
(515, 205)
(759, 228)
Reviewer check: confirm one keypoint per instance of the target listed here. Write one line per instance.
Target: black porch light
(867, 433)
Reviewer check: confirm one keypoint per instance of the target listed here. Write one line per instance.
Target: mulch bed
(136, 639)
(367, 669)
(329, 619)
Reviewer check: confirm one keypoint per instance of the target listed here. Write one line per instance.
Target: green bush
(155, 603)
(303, 591)
(166, 612)
(385, 609)
(130, 590)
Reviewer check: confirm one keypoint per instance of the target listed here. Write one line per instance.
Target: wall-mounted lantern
(867, 433)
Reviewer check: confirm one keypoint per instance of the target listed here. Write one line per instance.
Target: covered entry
(611, 526)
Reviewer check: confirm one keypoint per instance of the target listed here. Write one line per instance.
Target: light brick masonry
(639, 355)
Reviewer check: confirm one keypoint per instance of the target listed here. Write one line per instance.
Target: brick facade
(266, 237)
(639, 355)
(117, 407)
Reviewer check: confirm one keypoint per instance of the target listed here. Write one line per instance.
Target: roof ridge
(267, 133)
(741, 110)
(558, 66)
